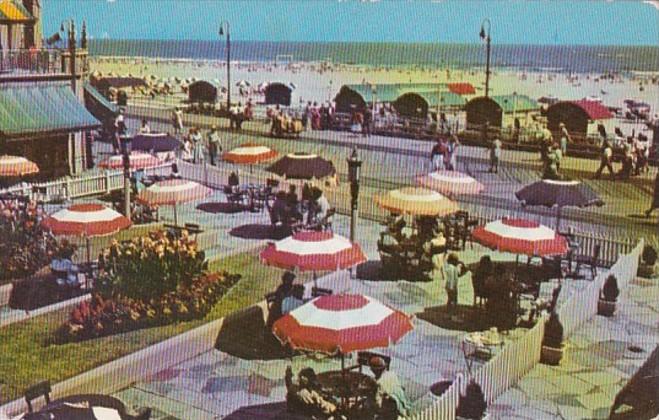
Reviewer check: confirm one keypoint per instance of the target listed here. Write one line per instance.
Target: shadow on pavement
(257, 231)
(214, 207)
(244, 335)
(372, 271)
(270, 411)
(465, 318)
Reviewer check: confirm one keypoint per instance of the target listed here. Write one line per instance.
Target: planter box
(606, 308)
(550, 355)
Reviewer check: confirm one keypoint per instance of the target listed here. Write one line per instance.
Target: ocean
(559, 58)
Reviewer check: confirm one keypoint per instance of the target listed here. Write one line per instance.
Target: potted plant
(472, 404)
(552, 342)
(607, 303)
(647, 267)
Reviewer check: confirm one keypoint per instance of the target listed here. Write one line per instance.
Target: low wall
(121, 373)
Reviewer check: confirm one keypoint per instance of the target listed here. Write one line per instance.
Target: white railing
(86, 185)
(518, 358)
(582, 306)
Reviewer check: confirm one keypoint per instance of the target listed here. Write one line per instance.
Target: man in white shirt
(390, 398)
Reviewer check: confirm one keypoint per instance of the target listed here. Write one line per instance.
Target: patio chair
(589, 260)
(319, 291)
(36, 391)
(234, 196)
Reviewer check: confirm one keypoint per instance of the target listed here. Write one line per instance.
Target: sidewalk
(596, 363)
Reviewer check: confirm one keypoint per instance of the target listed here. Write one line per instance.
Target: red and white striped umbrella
(137, 160)
(313, 251)
(521, 236)
(250, 154)
(451, 183)
(17, 166)
(173, 191)
(340, 324)
(86, 220)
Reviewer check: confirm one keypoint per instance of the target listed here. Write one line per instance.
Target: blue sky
(587, 22)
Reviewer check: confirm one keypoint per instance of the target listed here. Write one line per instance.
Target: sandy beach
(320, 83)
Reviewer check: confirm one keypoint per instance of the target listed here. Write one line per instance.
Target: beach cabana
(355, 97)
(493, 108)
(278, 94)
(103, 85)
(576, 115)
(202, 91)
(418, 104)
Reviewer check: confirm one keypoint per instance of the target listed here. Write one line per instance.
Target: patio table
(351, 389)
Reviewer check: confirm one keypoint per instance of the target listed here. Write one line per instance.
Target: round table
(84, 406)
(350, 389)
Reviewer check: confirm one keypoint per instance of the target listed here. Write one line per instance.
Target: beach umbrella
(451, 183)
(292, 85)
(12, 166)
(155, 142)
(86, 220)
(136, 160)
(520, 236)
(313, 251)
(550, 193)
(302, 166)
(416, 201)
(173, 192)
(243, 83)
(340, 324)
(249, 153)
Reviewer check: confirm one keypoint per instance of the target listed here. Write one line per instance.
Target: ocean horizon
(559, 58)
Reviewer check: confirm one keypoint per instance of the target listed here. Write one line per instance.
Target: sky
(562, 22)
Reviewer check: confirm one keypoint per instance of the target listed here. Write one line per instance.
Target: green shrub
(553, 332)
(472, 405)
(610, 290)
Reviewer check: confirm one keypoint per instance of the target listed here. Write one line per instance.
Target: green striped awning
(37, 108)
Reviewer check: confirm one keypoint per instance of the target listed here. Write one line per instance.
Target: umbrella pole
(175, 215)
(89, 259)
(558, 220)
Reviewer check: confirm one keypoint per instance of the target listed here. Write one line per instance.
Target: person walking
(120, 130)
(452, 152)
(214, 145)
(565, 138)
(198, 149)
(438, 154)
(655, 197)
(368, 120)
(177, 120)
(495, 155)
(606, 153)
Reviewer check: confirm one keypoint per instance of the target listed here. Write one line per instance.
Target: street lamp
(486, 37)
(354, 165)
(225, 24)
(125, 152)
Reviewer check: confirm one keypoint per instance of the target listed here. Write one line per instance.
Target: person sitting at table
(306, 395)
(294, 300)
(293, 203)
(233, 181)
(480, 276)
(279, 209)
(281, 292)
(321, 208)
(390, 399)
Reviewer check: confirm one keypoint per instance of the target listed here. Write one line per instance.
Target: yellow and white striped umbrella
(17, 166)
(416, 201)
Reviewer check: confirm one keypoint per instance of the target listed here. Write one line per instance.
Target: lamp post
(486, 37)
(225, 24)
(125, 152)
(354, 165)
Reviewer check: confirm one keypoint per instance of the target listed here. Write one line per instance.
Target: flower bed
(154, 280)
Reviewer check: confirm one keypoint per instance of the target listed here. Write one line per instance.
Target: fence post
(67, 188)
(107, 183)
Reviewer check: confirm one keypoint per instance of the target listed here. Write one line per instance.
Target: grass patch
(25, 360)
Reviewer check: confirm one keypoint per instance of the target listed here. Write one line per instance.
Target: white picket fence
(83, 186)
(582, 306)
(518, 358)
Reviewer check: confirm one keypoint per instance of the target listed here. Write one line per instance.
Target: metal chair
(589, 260)
(36, 391)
